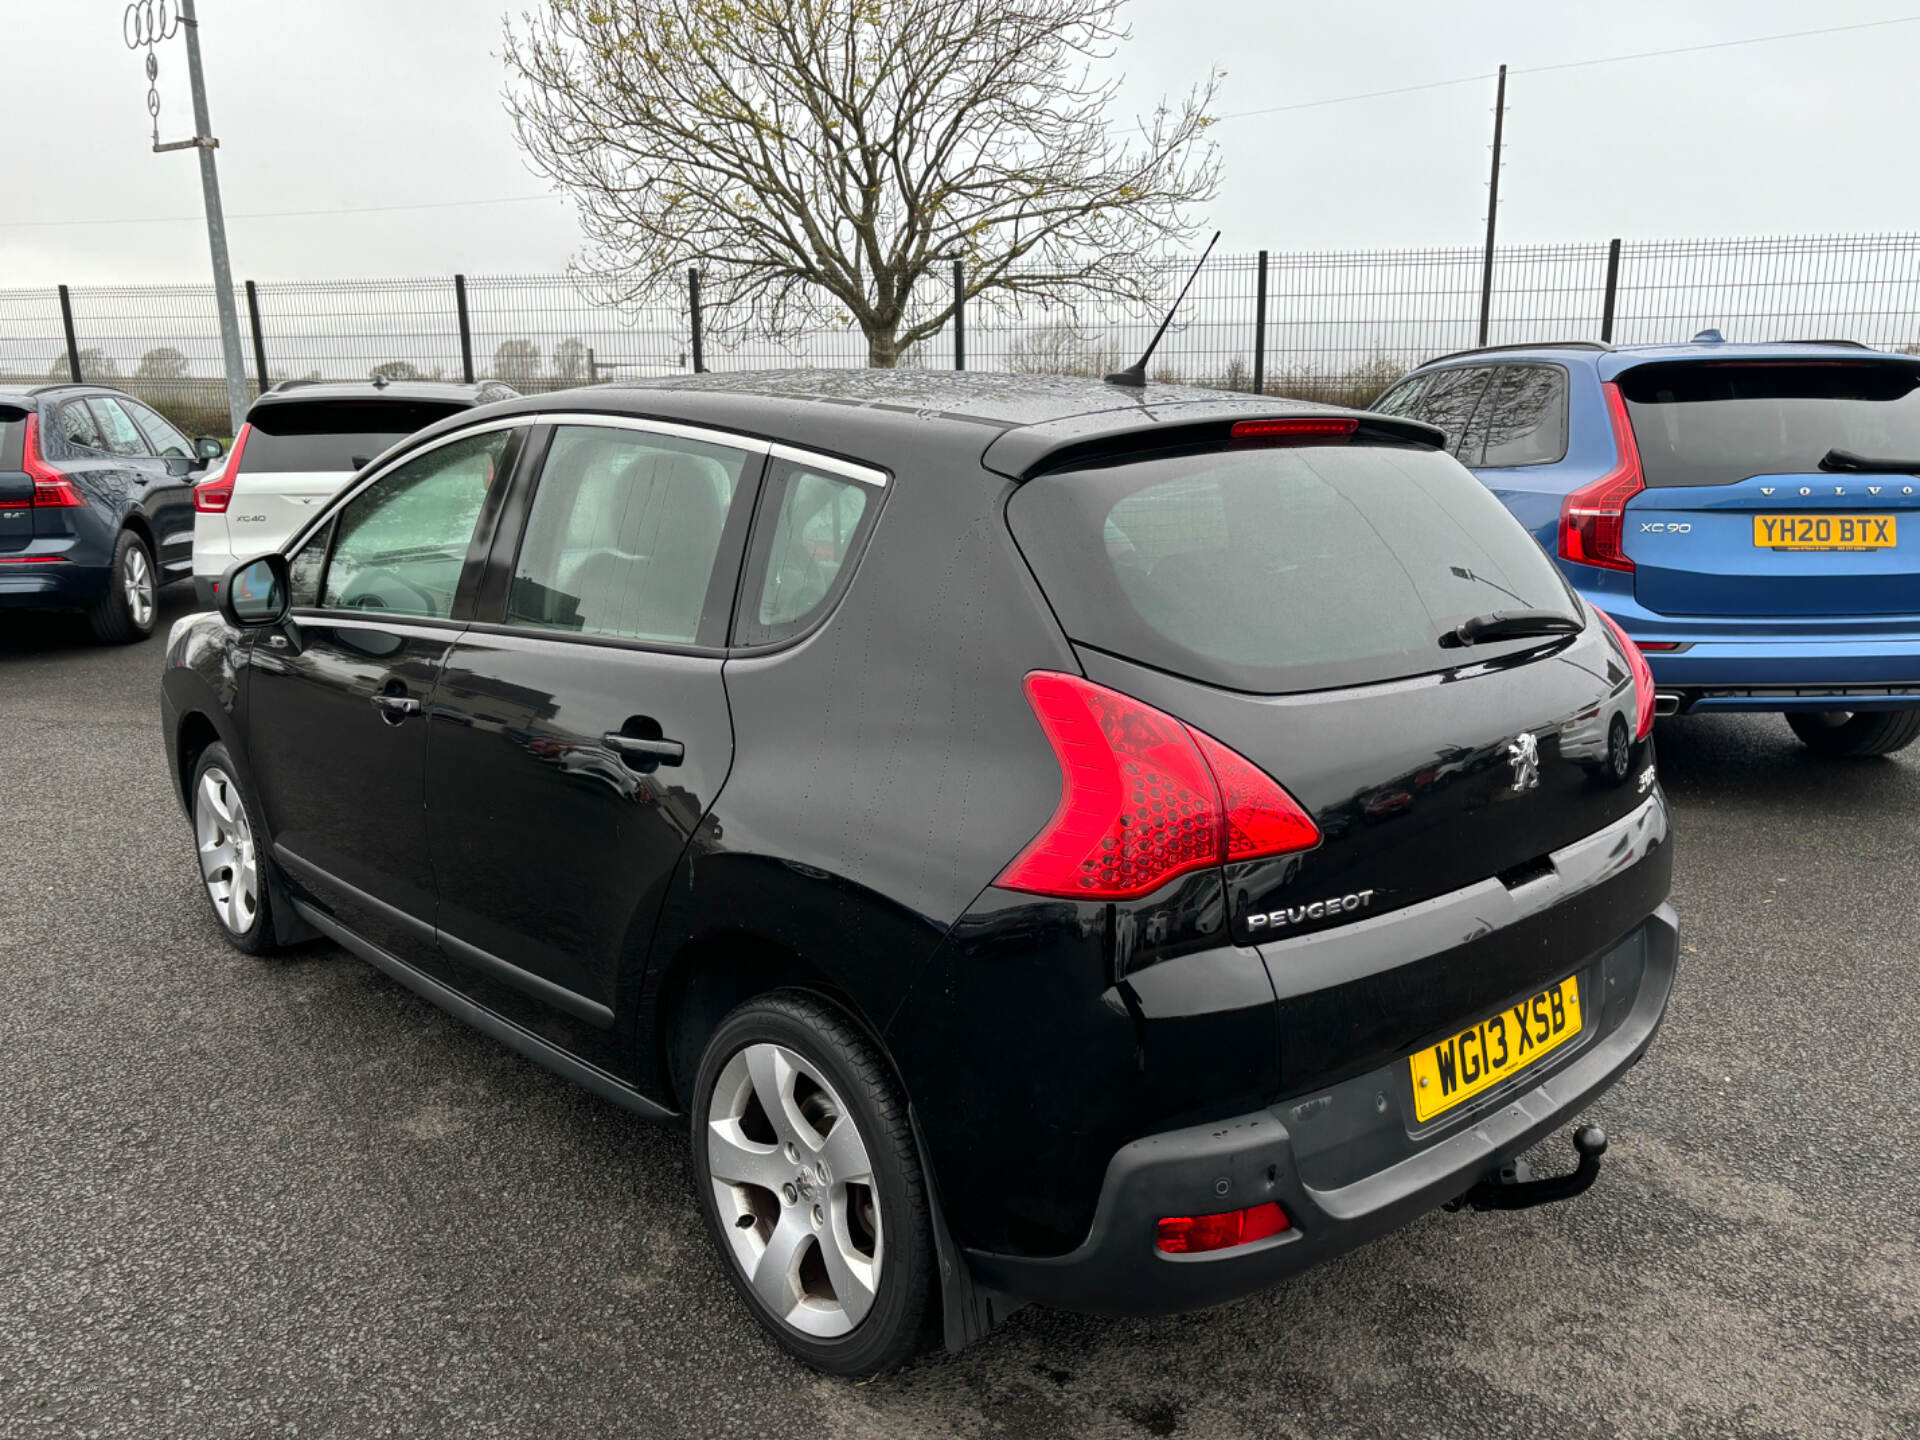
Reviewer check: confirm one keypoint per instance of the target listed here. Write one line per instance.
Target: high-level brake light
(1303, 430)
(1144, 798)
(1593, 519)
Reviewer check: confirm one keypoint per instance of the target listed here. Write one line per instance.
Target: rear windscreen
(331, 435)
(1717, 421)
(1281, 569)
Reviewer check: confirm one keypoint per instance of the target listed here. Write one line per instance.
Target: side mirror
(208, 448)
(254, 593)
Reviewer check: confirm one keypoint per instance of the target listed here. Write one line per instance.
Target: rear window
(332, 435)
(1716, 422)
(1282, 569)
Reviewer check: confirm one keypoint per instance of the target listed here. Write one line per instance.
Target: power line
(1573, 65)
(280, 214)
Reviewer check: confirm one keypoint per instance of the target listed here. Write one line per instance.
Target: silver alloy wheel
(228, 861)
(136, 579)
(794, 1190)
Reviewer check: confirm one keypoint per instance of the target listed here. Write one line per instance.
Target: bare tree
(570, 360)
(516, 361)
(820, 159)
(163, 362)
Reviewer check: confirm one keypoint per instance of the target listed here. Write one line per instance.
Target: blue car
(1749, 514)
(96, 505)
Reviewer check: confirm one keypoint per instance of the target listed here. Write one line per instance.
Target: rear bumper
(1278, 1153)
(60, 585)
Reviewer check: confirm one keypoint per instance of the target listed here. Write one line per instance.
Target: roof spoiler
(1030, 450)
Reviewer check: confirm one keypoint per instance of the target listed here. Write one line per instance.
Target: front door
(337, 723)
(580, 728)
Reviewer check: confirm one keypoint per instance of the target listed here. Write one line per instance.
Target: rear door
(299, 453)
(1294, 603)
(336, 727)
(580, 729)
(163, 498)
(1776, 488)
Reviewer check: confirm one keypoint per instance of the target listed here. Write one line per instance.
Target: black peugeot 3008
(1046, 840)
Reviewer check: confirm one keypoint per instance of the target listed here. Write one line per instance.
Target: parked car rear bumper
(44, 578)
(1268, 1155)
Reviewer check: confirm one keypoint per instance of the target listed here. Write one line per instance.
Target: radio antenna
(1135, 376)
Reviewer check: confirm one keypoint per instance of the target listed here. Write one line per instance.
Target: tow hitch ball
(1512, 1186)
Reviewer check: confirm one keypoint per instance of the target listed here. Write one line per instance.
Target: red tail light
(1144, 798)
(51, 489)
(1642, 678)
(1593, 519)
(1323, 428)
(213, 494)
(1190, 1234)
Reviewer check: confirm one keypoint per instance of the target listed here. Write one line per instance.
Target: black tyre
(1845, 733)
(233, 865)
(126, 611)
(811, 1186)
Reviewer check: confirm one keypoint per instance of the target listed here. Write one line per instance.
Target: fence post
(593, 368)
(259, 344)
(1260, 331)
(1613, 288)
(73, 345)
(466, 331)
(959, 315)
(693, 308)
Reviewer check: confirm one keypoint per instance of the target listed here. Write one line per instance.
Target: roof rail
(1534, 345)
(293, 385)
(1850, 344)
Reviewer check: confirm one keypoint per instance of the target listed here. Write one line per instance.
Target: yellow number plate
(1825, 532)
(1483, 1055)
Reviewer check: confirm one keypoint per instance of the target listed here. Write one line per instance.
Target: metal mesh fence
(1339, 325)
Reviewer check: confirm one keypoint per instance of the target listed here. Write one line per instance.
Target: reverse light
(1191, 1234)
(1144, 798)
(1642, 678)
(1593, 519)
(1304, 430)
(213, 494)
(51, 489)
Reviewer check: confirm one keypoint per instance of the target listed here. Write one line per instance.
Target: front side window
(77, 426)
(122, 436)
(817, 518)
(623, 534)
(161, 435)
(304, 570)
(401, 543)
(1521, 419)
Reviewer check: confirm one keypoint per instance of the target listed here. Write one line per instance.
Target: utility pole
(1493, 206)
(146, 23)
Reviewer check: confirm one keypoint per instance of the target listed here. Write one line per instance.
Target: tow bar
(1512, 1186)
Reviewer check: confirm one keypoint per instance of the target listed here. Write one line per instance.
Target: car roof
(1019, 421)
(361, 391)
(1611, 360)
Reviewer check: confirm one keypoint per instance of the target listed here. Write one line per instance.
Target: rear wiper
(1510, 625)
(1848, 462)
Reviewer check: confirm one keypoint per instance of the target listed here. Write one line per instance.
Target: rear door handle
(666, 752)
(396, 704)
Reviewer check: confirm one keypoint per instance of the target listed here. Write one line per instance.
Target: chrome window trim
(832, 465)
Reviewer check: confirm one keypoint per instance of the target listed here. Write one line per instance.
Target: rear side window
(1445, 401)
(291, 437)
(1521, 418)
(1280, 569)
(117, 426)
(623, 534)
(77, 426)
(1718, 421)
(819, 520)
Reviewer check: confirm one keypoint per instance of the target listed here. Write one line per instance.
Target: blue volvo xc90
(1748, 513)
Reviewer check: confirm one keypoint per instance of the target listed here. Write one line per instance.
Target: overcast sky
(355, 104)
